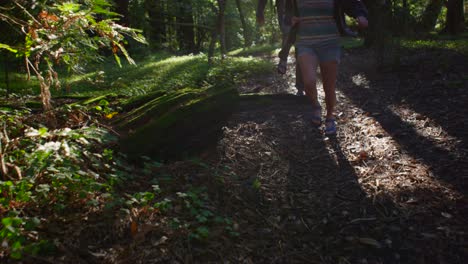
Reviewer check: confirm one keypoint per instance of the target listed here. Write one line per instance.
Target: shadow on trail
(434, 83)
(303, 199)
(381, 93)
(299, 197)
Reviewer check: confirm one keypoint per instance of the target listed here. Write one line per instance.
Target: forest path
(389, 188)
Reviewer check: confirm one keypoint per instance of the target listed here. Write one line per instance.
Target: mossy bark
(176, 124)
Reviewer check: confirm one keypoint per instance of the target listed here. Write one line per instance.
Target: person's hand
(260, 20)
(362, 22)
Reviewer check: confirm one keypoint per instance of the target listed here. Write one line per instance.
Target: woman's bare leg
(308, 64)
(329, 71)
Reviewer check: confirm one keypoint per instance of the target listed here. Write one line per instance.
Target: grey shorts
(324, 53)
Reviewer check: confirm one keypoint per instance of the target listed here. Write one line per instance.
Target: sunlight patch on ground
(361, 80)
(383, 168)
(425, 127)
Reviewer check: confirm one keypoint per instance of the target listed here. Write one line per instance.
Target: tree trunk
(200, 32)
(156, 33)
(380, 35)
(406, 15)
(430, 15)
(373, 23)
(455, 17)
(201, 37)
(185, 29)
(245, 29)
(121, 7)
(222, 27)
(218, 30)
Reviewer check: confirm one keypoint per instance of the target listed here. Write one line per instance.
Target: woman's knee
(310, 82)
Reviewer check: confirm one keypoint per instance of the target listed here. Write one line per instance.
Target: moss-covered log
(176, 123)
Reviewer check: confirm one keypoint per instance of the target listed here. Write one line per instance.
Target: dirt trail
(389, 188)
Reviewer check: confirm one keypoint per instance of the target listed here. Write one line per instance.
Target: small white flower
(83, 140)
(64, 132)
(50, 146)
(66, 149)
(31, 132)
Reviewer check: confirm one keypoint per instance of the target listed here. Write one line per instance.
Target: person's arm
(261, 11)
(357, 10)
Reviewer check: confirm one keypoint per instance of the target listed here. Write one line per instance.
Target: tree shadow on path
(299, 199)
(382, 95)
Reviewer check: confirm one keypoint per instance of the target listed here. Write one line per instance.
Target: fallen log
(176, 124)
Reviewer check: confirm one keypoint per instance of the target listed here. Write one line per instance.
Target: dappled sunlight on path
(387, 189)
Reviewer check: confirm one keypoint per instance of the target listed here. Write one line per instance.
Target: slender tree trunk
(211, 48)
(199, 32)
(373, 23)
(218, 31)
(380, 35)
(276, 32)
(455, 16)
(156, 32)
(245, 28)
(185, 30)
(214, 34)
(430, 15)
(406, 14)
(201, 37)
(222, 27)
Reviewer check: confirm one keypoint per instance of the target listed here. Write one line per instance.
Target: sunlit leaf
(111, 115)
(7, 47)
(69, 7)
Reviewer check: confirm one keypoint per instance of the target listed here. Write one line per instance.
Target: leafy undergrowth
(61, 172)
(55, 181)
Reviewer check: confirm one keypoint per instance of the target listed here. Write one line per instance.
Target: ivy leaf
(203, 231)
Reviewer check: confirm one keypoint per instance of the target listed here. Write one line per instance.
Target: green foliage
(237, 70)
(70, 32)
(68, 170)
(162, 73)
(257, 50)
(195, 201)
(160, 21)
(65, 32)
(457, 45)
(349, 43)
(156, 73)
(7, 47)
(50, 171)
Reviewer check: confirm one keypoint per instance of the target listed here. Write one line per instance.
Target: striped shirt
(317, 26)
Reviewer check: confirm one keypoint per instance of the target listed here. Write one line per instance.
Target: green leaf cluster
(49, 172)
